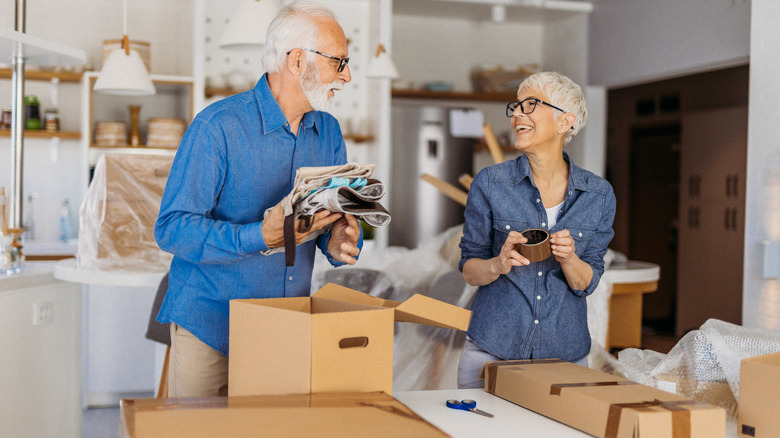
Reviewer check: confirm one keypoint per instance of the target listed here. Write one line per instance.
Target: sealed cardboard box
(376, 415)
(337, 340)
(759, 378)
(600, 404)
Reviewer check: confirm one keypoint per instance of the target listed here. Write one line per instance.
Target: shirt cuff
(250, 238)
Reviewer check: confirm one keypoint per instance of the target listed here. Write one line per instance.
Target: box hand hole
(356, 342)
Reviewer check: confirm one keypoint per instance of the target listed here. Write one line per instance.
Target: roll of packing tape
(538, 246)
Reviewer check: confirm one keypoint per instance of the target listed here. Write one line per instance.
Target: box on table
(337, 340)
(303, 415)
(759, 378)
(600, 404)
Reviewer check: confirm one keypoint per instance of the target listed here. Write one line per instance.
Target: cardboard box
(338, 340)
(601, 404)
(759, 378)
(318, 415)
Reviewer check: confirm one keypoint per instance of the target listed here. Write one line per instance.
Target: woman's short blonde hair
(563, 93)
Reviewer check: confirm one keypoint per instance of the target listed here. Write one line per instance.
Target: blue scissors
(467, 405)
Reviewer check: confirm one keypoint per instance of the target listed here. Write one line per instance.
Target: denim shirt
(236, 159)
(532, 312)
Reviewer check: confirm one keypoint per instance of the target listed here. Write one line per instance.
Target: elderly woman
(525, 309)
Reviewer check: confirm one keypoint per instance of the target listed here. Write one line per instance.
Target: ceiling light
(124, 72)
(247, 27)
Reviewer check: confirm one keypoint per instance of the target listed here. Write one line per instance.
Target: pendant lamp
(381, 66)
(124, 72)
(247, 27)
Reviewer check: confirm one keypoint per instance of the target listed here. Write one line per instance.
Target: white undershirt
(552, 215)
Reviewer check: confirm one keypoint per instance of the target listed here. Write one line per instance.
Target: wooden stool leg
(162, 390)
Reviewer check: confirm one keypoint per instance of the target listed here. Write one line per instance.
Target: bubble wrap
(704, 365)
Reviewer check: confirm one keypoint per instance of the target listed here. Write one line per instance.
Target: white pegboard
(242, 69)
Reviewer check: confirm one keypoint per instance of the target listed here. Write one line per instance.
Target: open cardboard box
(337, 340)
(601, 404)
(759, 400)
(317, 415)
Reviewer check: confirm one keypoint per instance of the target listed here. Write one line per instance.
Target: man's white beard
(317, 93)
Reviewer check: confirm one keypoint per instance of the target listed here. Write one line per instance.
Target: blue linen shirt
(532, 312)
(237, 159)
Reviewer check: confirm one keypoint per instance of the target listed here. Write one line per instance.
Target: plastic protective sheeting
(426, 358)
(116, 220)
(705, 363)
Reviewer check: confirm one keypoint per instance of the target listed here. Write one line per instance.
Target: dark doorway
(653, 213)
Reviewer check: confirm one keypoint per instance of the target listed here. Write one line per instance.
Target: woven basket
(111, 133)
(165, 132)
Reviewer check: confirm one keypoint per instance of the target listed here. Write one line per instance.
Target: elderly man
(238, 159)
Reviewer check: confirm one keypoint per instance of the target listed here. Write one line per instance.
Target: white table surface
(510, 420)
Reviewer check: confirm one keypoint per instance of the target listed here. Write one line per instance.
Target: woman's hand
(509, 257)
(563, 247)
(578, 273)
(479, 272)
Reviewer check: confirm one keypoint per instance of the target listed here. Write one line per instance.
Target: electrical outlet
(42, 313)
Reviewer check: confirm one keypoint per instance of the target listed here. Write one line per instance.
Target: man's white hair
(294, 27)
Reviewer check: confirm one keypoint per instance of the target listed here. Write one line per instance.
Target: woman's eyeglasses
(527, 106)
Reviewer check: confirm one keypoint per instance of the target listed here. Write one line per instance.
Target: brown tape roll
(538, 246)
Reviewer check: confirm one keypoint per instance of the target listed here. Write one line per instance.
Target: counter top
(632, 271)
(29, 277)
(66, 270)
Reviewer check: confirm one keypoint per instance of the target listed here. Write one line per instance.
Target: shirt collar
(272, 117)
(576, 178)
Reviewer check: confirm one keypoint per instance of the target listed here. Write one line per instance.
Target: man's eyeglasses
(342, 61)
(527, 106)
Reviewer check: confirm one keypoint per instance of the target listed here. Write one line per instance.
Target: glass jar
(5, 120)
(51, 120)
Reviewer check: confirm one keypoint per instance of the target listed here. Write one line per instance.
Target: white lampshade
(248, 25)
(125, 75)
(381, 66)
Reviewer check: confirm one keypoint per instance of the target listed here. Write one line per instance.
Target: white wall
(761, 301)
(167, 25)
(429, 49)
(634, 41)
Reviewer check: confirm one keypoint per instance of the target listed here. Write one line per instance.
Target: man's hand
(273, 226)
(344, 238)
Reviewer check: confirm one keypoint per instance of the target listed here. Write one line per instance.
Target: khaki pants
(195, 369)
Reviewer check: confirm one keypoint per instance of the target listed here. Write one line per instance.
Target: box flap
(418, 309)
(343, 415)
(429, 311)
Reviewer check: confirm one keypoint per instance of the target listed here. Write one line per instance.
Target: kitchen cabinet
(712, 212)
(41, 344)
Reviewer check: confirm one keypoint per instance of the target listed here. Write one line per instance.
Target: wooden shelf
(453, 95)
(43, 75)
(210, 92)
(64, 135)
(359, 138)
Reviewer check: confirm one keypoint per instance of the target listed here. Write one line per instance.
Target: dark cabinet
(712, 211)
